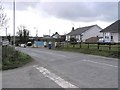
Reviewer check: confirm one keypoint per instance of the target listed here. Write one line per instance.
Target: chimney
(72, 28)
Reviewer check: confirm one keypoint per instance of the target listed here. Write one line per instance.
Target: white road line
(100, 63)
(61, 82)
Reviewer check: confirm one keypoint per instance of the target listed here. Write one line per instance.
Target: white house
(84, 33)
(112, 33)
(56, 35)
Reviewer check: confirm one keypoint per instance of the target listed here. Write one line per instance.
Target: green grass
(93, 50)
(13, 59)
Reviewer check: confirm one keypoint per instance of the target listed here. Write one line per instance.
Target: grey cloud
(25, 5)
(20, 5)
(119, 10)
(82, 11)
(75, 11)
(7, 5)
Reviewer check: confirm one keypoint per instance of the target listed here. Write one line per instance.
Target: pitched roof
(81, 30)
(112, 28)
(55, 34)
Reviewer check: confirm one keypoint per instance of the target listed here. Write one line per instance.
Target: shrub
(13, 59)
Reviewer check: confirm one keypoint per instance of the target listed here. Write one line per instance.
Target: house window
(68, 38)
(73, 36)
(106, 37)
(107, 34)
(111, 37)
(77, 37)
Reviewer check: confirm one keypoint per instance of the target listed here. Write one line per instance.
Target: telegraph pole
(49, 31)
(14, 24)
(37, 34)
(6, 32)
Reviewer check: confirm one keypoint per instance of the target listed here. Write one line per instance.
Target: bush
(13, 59)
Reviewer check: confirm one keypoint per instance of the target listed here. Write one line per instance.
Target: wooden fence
(99, 46)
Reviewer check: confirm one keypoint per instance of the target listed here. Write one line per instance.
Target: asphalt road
(58, 69)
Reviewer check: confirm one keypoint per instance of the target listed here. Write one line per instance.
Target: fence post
(73, 45)
(80, 45)
(67, 44)
(109, 46)
(88, 45)
(98, 46)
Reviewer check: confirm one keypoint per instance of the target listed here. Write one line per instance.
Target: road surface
(58, 69)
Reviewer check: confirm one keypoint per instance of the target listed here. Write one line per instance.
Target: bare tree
(3, 17)
(23, 34)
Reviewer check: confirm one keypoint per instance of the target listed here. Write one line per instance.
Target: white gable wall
(107, 36)
(56, 36)
(92, 32)
(67, 37)
(115, 37)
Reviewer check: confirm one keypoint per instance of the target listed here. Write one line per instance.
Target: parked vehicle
(101, 40)
(105, 41)
(29, 43)
(23, 45)
(5, 42)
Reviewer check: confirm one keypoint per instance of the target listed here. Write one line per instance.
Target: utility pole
(14, 24)
(6, 32)
(49, 31)
(36, 37)
(37, 34)
(73, 24)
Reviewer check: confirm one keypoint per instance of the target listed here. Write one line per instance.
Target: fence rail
(98, 46)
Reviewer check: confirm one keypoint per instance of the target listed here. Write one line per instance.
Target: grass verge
(13, 58)
(106, 53)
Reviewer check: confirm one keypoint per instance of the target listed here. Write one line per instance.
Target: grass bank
(12, 58)
(103, 51)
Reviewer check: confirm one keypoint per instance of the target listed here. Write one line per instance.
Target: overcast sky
(60, 16)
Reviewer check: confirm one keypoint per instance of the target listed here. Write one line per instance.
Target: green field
(103, 50)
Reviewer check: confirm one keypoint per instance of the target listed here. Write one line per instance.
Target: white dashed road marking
(100, 63)
(61, 82)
